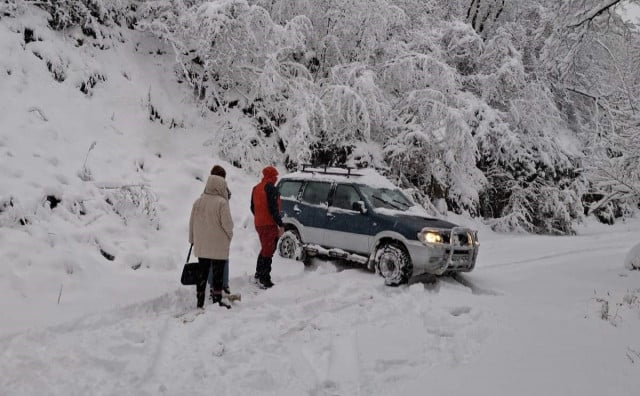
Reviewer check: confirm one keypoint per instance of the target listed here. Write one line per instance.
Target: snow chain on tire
(393, 264)
(290, 246)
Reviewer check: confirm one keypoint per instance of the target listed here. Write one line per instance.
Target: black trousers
(217, 267)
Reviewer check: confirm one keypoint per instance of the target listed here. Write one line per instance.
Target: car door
(289, 194)
(311, 211)
(346, 227)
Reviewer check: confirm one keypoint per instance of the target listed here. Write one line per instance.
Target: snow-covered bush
(430, 143)
(68, 67)
(363, 81)
(632, 260)
(539, 208)
(133, 202)
(616, 307)
(88, 14)
(245, 148)
(435, 151)
(614, 173)
(10, 8)
(11, 213)
(301, 131)
(461, 47)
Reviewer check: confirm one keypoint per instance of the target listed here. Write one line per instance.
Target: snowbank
(632, 260)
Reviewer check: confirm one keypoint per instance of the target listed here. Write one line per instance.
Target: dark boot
(259, 268)
(266, 279)
(217, 299)
(200, 298)
(261, 272)
(201, 288)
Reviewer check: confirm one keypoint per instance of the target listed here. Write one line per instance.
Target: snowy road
(527, 321)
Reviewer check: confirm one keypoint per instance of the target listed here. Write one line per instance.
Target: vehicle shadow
(431, 282)
(316, 262)
(425, 279)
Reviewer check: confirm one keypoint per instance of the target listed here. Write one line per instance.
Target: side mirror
(359, 206)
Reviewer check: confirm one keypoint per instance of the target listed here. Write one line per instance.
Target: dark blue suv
(361, 216)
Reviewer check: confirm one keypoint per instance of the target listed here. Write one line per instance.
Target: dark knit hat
(218, 171)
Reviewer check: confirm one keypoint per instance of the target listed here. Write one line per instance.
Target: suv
(363, 217)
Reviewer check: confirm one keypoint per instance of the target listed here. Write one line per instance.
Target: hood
(270, 174)
(216, 185)
(420, 222)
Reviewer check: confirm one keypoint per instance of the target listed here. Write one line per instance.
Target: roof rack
(345, 170)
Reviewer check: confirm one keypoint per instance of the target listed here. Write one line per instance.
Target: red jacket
(265, 201)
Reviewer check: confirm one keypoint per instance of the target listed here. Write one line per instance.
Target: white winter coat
(210, 225)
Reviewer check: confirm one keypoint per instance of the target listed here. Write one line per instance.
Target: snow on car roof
(367, 176)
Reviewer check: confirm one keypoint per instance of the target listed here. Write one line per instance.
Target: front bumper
(457, 252)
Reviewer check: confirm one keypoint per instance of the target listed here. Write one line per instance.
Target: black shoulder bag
(192, 273)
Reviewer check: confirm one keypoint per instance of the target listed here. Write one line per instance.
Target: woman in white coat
(210, 232)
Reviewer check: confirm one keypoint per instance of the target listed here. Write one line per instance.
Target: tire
(393, 263)
(290, 246)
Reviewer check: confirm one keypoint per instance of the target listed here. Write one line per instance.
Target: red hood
(270, 174)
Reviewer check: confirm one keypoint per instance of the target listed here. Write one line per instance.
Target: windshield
(386, 198)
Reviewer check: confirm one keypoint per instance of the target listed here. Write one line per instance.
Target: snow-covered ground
(539, 315)
(631, 12)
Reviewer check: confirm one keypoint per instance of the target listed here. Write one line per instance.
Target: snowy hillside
(102, 155)
(96, 184)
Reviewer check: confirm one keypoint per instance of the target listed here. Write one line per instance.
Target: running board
(315, 250)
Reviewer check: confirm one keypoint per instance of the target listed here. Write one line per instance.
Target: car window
(289, 189)
(316, 193)
(345, 196)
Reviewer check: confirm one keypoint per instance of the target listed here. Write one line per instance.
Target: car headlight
(474, 238)
(430, 237)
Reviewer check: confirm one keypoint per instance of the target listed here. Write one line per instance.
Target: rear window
(289, 188)
(316, 193)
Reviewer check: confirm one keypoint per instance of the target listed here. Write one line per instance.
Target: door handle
(296, 209)
(330, 215)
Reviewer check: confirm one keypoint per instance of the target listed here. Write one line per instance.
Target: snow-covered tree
(507, 110)
(591, 62)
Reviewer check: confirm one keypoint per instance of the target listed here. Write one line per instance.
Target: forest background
(522, 113)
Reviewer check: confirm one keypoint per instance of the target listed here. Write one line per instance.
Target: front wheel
(291, 246)
(393, 264)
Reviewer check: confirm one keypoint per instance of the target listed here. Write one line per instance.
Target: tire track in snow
(344, 368)
(299, 338)
(475, 289)
(546, 257)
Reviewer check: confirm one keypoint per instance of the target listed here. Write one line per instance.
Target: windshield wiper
(402, 203)
(386, 202)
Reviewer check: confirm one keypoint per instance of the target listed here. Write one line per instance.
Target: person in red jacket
(265, 206)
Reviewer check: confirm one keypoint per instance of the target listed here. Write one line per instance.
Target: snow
(539, 314)
(525, 322)
(631, 12)
(368, 176)
(632, 260)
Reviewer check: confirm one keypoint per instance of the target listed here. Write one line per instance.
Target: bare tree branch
(591, 15)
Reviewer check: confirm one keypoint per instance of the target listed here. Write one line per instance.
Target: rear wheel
(393, 263)
(290, 246)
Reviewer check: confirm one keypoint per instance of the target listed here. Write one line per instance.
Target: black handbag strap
(189, 254)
